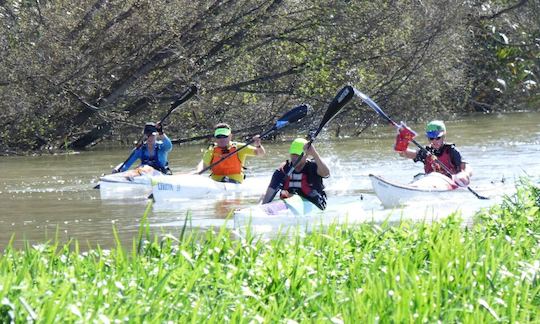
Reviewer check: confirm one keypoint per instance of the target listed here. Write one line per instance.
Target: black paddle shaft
(340, 100)
(185, 96)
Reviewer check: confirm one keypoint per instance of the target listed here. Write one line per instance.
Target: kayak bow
(392, 194)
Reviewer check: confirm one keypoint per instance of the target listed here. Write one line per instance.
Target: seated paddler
(230, 169)
(153, 153)
(306, 179)
(438, 156)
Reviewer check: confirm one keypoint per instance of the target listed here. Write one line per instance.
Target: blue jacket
(160, 159)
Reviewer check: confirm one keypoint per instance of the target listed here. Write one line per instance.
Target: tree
(505, 57)
(74, 73)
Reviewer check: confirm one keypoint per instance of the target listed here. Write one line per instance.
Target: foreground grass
(412, 272)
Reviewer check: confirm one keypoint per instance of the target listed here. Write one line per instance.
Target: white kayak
(124, 185)
(297, 212)
(393, 194)
(190, 186)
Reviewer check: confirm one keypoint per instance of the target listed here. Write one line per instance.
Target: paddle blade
(292, 116)
(340, 100)
(477, 195)
(185, 96)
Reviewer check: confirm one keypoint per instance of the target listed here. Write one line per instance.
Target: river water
(47, 197)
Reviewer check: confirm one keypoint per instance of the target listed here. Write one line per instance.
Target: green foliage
(89, 69)
(518, 214)
(406, 272)
(507, 39)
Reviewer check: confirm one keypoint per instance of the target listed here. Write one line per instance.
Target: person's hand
(403, 137)
(401, 144)
(406, 132)
(257, 140)
(309, 149)
(319, 199)
(462, 179)
(159, 128)
(285, 194)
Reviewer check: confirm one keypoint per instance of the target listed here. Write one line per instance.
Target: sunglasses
(434, 138)
(222, 136)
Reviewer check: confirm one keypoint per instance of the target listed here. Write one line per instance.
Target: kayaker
(230, 169)
(306, 179)
(153, 152)
(438, 149)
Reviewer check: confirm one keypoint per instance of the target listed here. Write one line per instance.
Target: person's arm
(457, 160)
(278, 177)
(166, 145)
(268, 195)
(134, 157)
(408, 153)
(322, 168)
(463, 177)
(199, 167)
(466, 168)
(259, 149)
(164, 148)
(206, 159)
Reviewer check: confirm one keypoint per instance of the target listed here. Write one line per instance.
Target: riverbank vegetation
(409, 272)
(75, 73)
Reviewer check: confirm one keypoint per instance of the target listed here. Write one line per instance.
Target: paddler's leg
(143, 169)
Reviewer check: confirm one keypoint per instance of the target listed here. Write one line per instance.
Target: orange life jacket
(232, 165)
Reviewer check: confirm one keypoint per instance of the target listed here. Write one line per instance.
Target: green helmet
(435, 128)
(297, 146)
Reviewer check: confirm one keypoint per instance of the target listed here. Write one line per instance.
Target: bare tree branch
(505, 10)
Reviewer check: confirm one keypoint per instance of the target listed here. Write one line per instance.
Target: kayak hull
(393, 194)
(164, 188)
(192, 186)
(123, 185)
(296, 212)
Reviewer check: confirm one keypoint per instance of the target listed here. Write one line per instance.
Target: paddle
(185, 96)
(379, 111)
(288, 118)
(340, 100)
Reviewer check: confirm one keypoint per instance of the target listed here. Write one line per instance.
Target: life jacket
(154, 160)
(306, 183)
(444, 156)
(232, 165)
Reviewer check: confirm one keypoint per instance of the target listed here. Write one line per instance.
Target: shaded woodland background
(75, 73)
